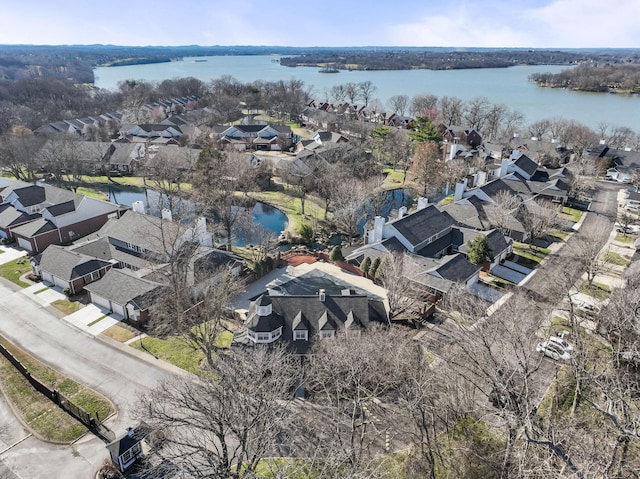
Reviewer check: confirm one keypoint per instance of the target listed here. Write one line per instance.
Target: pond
(265, 215)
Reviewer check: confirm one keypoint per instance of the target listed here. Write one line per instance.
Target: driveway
(93, 319)
(9, 254)
(42, 294)
(508, 274)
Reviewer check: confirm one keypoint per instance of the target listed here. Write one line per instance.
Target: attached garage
(48, 277)
(60, 283)
(118, 309)
(25, 244)
(100, 301)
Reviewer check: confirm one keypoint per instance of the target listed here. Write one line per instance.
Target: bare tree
(349, 200)
(424, 105)
(537, 218)
(426, 167)
(539, 129)
(475, 113)
(398, 104)
(501, 211)
(586, 249)
(366, 89)
(18, 153)
(451, 110)
(396, 275)
(223, 424)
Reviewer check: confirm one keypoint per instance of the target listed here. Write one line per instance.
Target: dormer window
(301, 335)
(327, 334)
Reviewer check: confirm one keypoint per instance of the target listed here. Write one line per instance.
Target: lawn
(596, 290)
(624, 238)
(14, 269)
(173, 350)
(40, 414)
(532, 255)
(612, 257)
(446, 200)
(66, 306)
(392, 179)
(570, 214)
(119, 333)
(559, 234)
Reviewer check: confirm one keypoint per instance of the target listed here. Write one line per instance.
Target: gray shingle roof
(120, 286)
(68, 265)
(422, 224)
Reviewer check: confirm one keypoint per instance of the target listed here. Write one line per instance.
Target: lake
(499, 85)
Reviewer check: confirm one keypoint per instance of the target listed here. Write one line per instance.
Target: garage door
(47, 277)
(60, 283)
(23, 243)
(3, 234)
(118, 309)
(100, 301)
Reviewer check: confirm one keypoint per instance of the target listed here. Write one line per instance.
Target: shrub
(373, 269)
(336, 254)
(365, 265)
(305, 231)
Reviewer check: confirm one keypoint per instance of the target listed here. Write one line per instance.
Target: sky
(447, 23)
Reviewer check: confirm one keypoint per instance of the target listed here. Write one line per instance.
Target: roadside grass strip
(47, 288)
(532, 255)
(14, 269)
(97, 320)
(119, 333)
(596, 290)
(66, 306)
(173, 350)
(37, 412)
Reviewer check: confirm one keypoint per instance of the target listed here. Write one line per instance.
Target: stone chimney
(423, 202)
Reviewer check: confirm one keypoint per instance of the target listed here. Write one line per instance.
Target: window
(263, 337)
(300, 335)
(93, 276)
(327, 334)
(127, 456)
(276, 334)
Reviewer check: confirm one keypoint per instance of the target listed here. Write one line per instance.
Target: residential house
(38, 215)
(459, 134)
(269, 137)
(151, 133)
(68, 269)
(302, 319)
(632, 200)
(122, 292)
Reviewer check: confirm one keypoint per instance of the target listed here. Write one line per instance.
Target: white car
(553, 350)
(562, 343)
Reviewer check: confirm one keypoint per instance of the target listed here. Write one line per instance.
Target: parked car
(626, 229)
(562, 343)
(553, 350)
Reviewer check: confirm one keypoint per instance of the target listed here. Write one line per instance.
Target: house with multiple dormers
(39, 215)
(302, 319)
(255, 136)
(435, 242)
(126, 263)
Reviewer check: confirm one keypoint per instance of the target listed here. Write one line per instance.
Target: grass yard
(173, 350)
(559, 234)
(595, 290)
(119, 333)
(41, 415)
(558, 325)
(612, 257)
(46, 288)
(392, 178)
(624, 238)
(66, 306)
(570, 214)
(446, 200)
(14, 269)
(532, 255)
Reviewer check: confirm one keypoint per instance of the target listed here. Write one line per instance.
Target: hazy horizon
(540, 24)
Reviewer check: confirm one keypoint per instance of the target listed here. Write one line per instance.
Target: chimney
(603, 142)
(138, 207)
(423, 202)
(503, 168)
(402, 212)
(130, 431)
(166, 214)
(378, 227)
(460, 187)
(321, 295)
(482, 178)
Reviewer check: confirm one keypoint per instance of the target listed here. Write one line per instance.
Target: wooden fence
(92, 423)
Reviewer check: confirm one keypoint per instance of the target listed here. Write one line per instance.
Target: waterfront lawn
(289, 204)
(41, 415)
(14, 269)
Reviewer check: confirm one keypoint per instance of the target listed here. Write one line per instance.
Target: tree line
(594, 77)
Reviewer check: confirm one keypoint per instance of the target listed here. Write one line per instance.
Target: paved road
(117, 374)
